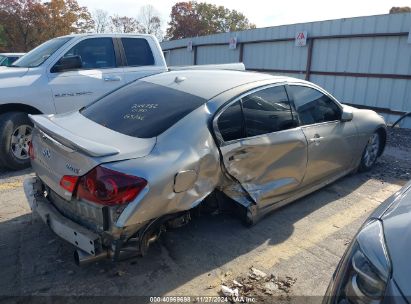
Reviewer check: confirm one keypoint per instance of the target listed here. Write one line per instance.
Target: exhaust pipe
(82, 258)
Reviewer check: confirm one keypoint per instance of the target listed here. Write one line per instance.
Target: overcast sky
(261, 13)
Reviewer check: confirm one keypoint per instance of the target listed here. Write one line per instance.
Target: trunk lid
(71, 144)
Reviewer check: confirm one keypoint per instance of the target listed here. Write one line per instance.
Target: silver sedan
(112, 176)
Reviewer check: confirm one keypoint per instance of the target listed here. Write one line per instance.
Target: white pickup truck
(65, 74)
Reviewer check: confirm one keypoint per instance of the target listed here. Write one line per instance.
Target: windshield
(2, 61)
(40, 54)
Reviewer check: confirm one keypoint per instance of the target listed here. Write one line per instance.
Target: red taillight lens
(69, 182)
(108, 187)
(31, 151)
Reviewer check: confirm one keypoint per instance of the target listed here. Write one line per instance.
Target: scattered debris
(258, 285)
(237, 284)
(120, 273)
(257, 273)
(270, 286)
(228, 292)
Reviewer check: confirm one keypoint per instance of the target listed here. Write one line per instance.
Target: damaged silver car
(110, 177)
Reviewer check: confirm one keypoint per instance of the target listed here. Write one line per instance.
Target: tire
(371, 152)
(15, 136)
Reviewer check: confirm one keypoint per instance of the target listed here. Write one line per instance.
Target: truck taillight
(108, 187)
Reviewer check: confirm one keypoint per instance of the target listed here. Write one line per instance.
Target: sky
(261, 13)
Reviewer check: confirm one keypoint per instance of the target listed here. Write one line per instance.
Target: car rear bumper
(79, 236)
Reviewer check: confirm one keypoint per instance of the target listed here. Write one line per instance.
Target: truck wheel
(15, 136)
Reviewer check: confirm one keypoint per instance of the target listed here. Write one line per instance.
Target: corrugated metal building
(364, 61)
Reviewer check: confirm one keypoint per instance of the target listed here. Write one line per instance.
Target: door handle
(112, 78)
(316, 139)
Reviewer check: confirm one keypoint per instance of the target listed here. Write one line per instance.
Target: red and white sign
(233, 43)
(301, 38)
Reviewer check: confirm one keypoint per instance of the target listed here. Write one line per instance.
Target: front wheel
(370, 154)
(15, 137)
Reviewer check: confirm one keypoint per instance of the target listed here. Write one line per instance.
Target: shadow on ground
(34, 261)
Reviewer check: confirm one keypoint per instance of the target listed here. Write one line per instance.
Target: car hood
(397, 231)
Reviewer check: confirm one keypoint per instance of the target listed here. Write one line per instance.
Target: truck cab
(64, 74)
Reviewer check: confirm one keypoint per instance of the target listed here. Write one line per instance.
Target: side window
(313, 106)
(95, 53)
(138, 52)
(230, 123)
(267, 111)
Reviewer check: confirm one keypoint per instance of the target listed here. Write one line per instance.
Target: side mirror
(67, 64)
(347, 115)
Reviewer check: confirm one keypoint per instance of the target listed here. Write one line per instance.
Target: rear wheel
(370, 154)
(15, 137)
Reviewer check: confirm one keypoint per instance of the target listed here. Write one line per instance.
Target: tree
(396, 10)
(190, 19)
(66, 17)
(27, 23)
(150, 21)
(24, 23)
(2, 39)
(125, 24)
(101, 21)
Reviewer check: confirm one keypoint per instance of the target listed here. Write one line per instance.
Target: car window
(95, 53)
(313, 106)
(142, 109)
(4, 61)
(138, 52)
(231, 123)
(267, 111)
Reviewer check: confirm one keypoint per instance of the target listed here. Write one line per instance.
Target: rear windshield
(142, 109)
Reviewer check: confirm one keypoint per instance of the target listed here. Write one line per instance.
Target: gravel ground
(396, 160)
(289, 254)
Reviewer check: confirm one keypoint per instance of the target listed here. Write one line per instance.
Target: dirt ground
(292, 252)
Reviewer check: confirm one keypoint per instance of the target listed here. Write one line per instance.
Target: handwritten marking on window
(138, 111)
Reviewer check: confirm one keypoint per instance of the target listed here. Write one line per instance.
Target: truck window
(95, 53)
(37, 56)
(142, 109)
(138, 52)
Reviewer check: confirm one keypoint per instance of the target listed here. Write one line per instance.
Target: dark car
(376, 267)
(7, 59)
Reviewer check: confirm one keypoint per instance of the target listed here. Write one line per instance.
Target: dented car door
(262, 146)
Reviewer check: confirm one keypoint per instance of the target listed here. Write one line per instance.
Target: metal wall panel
(366, 55)
(274, 55)
(179, 57)
(216, 54)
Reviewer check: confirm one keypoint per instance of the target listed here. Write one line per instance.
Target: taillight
(68, 182)
(31, 151)
(108, 187)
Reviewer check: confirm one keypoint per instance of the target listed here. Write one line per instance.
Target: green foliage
(189, 19)
(2, 38)
(27, 23)
(403, 9)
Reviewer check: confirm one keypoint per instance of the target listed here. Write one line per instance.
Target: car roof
(209, 83)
